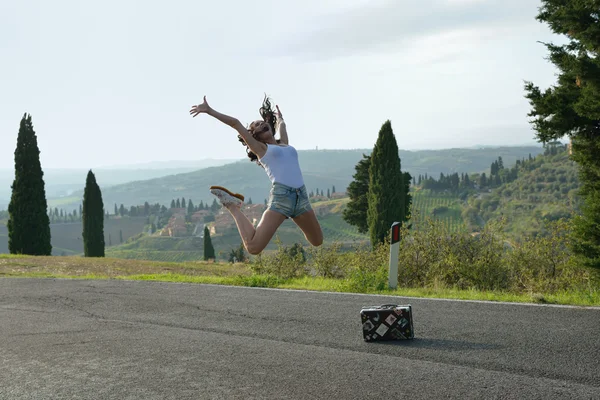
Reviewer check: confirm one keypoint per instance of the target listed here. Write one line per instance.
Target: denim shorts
(288, 201)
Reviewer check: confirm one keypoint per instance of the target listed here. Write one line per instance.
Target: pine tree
(355, 212)
(388, 194)
(572, 107)
(482, 180)
(120, 236)
(238, 255)
(183, 203)
(173, 203)
(241, 253)
(116, 210)
(328, 193)
(209, 250)
(93, 218)
(28, 221)
(190, 207)
(333, 189)
(177, 204)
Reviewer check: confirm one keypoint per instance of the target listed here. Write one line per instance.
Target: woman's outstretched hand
(278, 115)
(200, 108)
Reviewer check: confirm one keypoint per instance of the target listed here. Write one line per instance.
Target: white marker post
(394, 251)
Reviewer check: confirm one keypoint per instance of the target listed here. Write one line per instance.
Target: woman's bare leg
(256, 239)
(310, 227)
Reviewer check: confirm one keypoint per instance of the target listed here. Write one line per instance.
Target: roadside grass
(16, 266)
(109, 268)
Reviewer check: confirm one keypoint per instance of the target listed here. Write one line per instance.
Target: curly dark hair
(268, 115)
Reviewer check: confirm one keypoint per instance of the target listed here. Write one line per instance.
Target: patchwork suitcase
(387, 322)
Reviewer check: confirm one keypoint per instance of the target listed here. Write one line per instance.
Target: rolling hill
(322, 169)
(544, 190)
(66, 238)
(61, 182)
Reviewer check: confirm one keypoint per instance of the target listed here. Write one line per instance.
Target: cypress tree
(355, 212)
(28, 221)
(209, 250)
(388, 192)
(93, 218)
(572, 107)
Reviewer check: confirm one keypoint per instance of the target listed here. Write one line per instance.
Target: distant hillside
(545, 190)
(322, 169)
(66, 238)
(63, 182)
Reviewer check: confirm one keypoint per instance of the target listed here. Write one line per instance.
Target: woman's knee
(255, 248)
(318, 241)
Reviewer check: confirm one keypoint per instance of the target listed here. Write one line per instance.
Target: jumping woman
(288, 196)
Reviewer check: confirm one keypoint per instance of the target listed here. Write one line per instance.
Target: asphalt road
(75, 339)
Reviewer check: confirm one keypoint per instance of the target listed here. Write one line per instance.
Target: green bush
(326, 261)
(368, 269)
(283, 263)
(433, 257)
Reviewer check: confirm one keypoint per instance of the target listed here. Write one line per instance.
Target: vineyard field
(444, 208)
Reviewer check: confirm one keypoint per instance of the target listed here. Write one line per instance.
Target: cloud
(392, 25)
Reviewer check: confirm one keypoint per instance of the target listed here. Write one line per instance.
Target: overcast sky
(111, 82)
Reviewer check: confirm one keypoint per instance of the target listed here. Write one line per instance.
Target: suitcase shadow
(439, 344)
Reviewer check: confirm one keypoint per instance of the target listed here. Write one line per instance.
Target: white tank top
(282, 166)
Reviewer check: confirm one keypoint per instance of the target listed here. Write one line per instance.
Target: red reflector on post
(395, 232)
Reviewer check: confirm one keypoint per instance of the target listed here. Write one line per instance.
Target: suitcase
(387, 322)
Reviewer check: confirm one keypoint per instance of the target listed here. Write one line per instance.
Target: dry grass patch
(11, 265)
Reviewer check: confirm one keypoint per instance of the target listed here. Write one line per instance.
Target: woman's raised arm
(257, 147)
